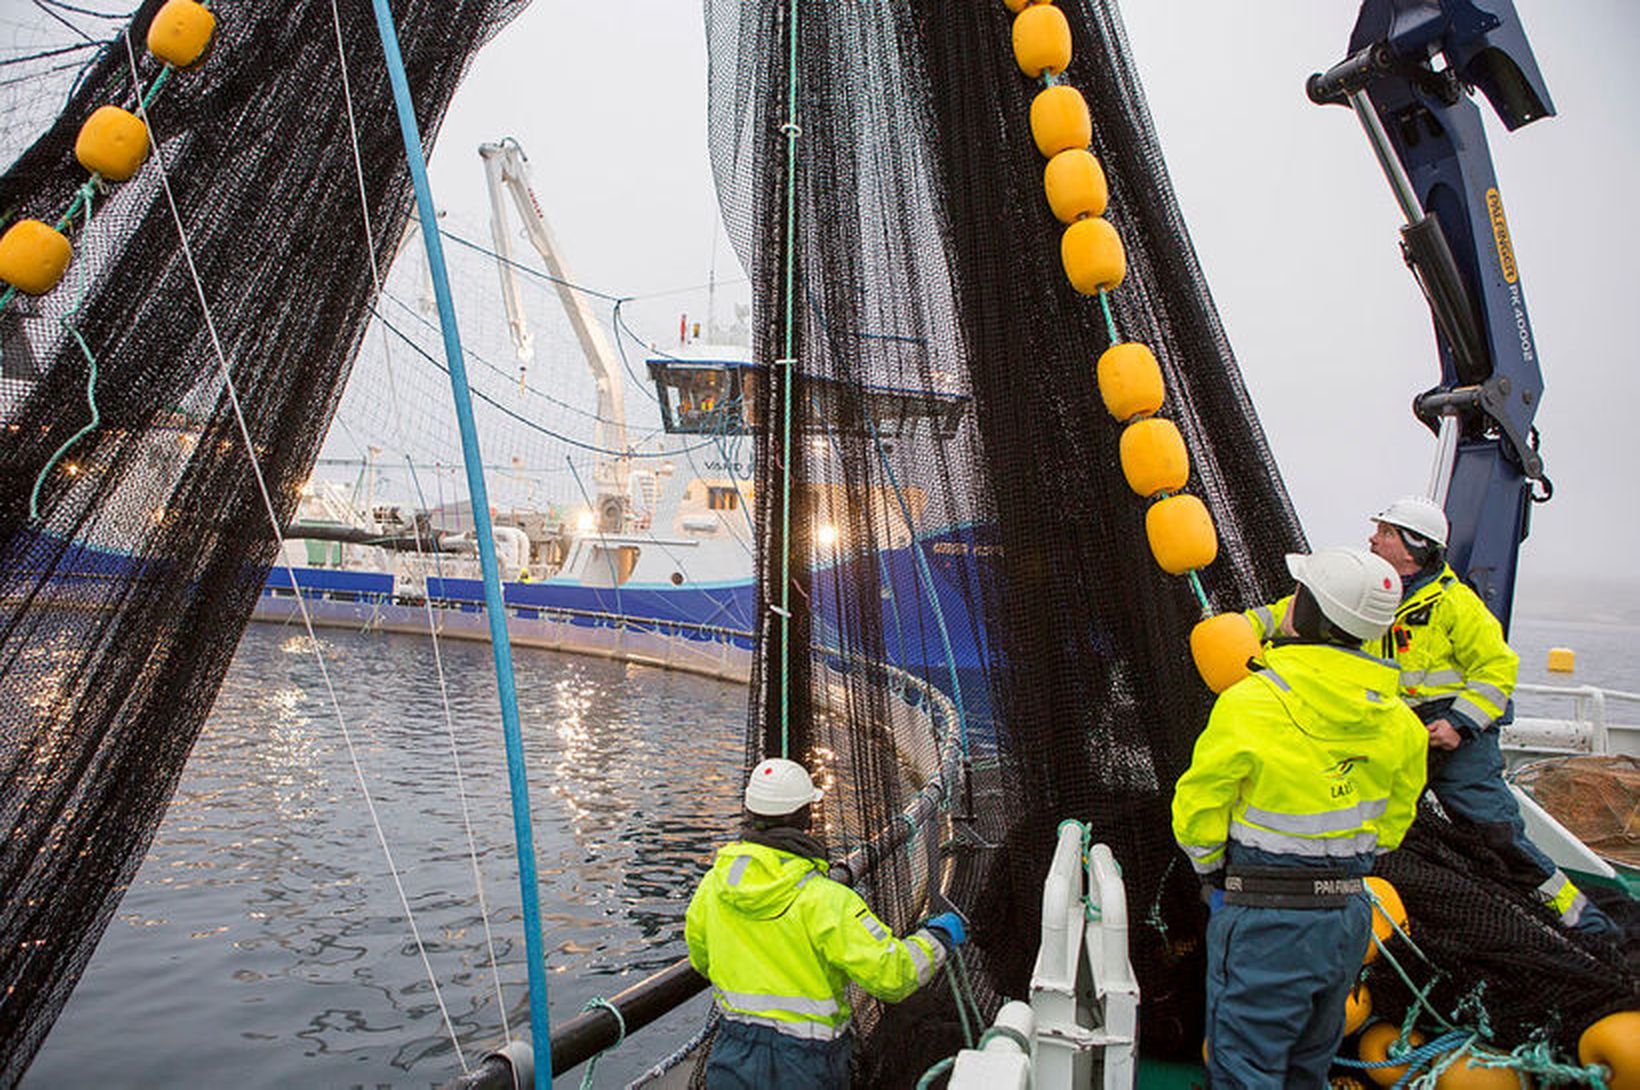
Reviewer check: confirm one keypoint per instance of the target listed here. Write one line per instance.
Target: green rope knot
(595, 1003)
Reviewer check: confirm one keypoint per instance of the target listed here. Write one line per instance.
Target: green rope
(792, 132)
(594, 1003)
(90, 389)
(1110, 319)
(935, 1072)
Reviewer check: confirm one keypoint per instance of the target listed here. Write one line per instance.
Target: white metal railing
(1602, 721)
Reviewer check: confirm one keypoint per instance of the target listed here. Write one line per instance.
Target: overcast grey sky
(1293, 222)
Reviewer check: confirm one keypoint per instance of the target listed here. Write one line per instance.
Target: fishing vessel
(942, 527)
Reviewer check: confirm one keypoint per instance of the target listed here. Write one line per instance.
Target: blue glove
(1215, 901)
(949, 928)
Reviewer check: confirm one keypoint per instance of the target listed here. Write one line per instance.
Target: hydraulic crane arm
(1410, 74)
(506, 172)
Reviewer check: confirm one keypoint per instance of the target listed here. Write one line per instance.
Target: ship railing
(1600, 722)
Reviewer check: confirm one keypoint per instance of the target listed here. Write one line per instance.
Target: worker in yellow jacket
(1307, 770)
(780, 942)
(1458, 673)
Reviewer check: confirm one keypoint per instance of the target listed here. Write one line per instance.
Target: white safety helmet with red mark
(1357, 591)
(778, 787)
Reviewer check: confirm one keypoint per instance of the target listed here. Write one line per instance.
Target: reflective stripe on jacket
(1313, 757)
(1445, 642)
(780, 941)
(1448, 644)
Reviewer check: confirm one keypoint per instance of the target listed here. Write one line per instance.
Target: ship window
(719, 498)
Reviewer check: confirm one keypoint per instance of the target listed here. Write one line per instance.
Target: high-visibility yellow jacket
(1313, 756)
(1446, 644)
(780, 942)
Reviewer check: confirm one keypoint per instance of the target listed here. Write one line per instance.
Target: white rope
(432, 626)
(279, 537)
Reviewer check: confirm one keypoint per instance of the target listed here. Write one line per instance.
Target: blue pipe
(535, 956)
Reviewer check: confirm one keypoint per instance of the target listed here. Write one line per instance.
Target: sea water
(262, 943)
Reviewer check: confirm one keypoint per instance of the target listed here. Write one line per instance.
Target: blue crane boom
(1410, 76)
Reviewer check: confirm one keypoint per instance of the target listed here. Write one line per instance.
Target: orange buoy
(1614, 1043)
(33, 256)
(112, 142)
(1357, 1007)
(1042, 40)
(1181, 534)
(1376, 1040)
(180, 32)
(1130, 380)
(1060, 120)
(1388, 901)
(1092, 254)
(1075, 184)
(1153, 456)
(1017, 6)
(1345, 1082)
(1221, 646)
(1466, 1073)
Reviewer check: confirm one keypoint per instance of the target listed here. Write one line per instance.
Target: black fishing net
(878, 174)
(927, 262)
(124, 591)
(1487, 954)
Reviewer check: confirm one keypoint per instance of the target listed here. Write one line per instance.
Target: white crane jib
(507, 168)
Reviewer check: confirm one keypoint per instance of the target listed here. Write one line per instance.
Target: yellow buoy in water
(1562, 660)
(1357, 1009)
(1389, 901)
(1376, 1040)
(1614, 1043)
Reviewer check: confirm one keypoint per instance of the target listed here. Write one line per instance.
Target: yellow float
(1060, 120)
(1382, 928)
(1181, 534)
(1614, 1043)
(1153, 457)
(1374, 1048)
(1130, 381)
(1221, 646)
(33, 256)
(1042, 41)
(1093, 256)
(180, 32)
(1075, 184)
(112, 142)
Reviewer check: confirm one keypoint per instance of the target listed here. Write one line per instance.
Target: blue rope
(535, 956)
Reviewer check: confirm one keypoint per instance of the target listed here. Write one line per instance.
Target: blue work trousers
(748, 1057)
(1469, 783)
(1277, 981)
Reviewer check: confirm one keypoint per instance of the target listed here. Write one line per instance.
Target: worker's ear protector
(1312, 625)
(1424, 552)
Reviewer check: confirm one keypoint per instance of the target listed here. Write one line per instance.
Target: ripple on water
(262, 943)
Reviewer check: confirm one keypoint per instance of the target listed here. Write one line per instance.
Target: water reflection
(262, 942)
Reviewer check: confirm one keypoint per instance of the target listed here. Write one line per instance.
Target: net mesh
(885, 151)
(122, 602)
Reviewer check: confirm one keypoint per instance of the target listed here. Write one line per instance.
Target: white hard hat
(778, 787)
(1357, 591)
(1422, 516)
